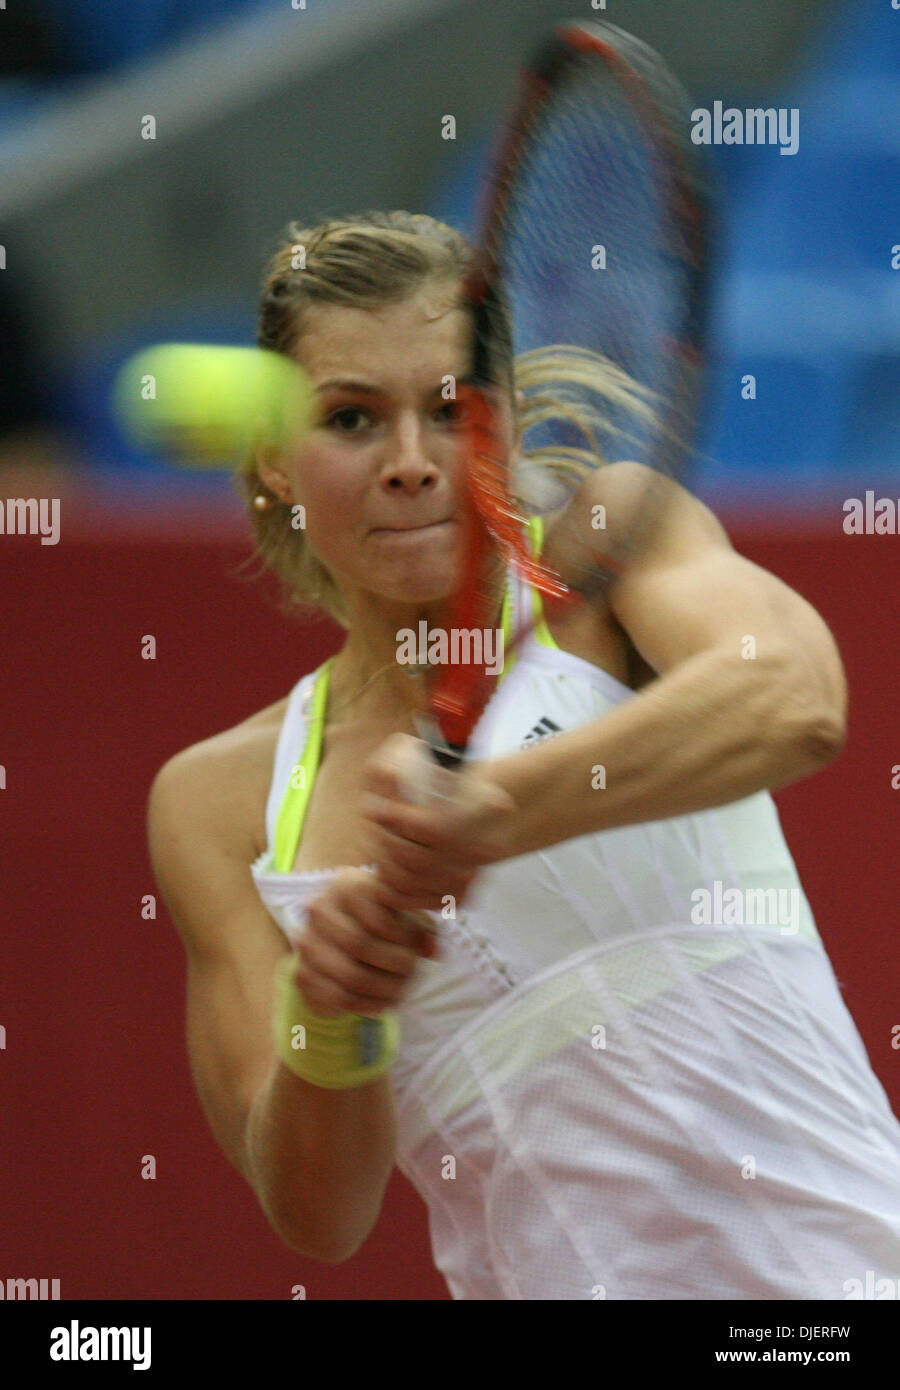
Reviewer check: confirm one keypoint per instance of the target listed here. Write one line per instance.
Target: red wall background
(95, 1073)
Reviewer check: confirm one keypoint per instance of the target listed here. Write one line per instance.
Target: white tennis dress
(630, 1075)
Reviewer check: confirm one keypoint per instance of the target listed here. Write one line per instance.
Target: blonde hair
(379, 258)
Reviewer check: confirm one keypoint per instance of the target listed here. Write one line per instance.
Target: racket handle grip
(418, 773)
(424, 778)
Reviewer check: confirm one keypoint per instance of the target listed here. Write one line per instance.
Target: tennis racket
(595, 227)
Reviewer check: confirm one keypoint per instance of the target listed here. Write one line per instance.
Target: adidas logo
(544, 728)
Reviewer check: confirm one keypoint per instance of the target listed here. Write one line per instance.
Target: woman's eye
(343, 419)
(351, 419)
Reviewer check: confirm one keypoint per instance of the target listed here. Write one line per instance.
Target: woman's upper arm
(688, 590)
(201, 864)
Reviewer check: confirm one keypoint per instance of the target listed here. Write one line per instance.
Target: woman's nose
(409, 463)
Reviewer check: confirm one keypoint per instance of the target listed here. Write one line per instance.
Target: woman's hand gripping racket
(595, 229)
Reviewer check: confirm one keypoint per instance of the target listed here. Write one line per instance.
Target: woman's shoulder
(222, 781)
(590, 631)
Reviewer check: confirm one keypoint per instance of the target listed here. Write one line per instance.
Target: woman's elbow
(824, 737)
(814, 719)
(327, 1248)
(330, 1241)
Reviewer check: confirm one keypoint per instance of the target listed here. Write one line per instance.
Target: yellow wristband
(336, 1053)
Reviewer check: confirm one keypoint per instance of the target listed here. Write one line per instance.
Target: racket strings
(595, 250)
(595, 230)
(592, 227)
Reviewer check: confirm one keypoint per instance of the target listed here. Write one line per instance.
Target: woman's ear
(267, 466)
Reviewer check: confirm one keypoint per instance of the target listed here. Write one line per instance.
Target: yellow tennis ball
(208, 406)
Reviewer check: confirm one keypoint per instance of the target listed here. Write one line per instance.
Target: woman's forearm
(320, 1160)
(712, 730)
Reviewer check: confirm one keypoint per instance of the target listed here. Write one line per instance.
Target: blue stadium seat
(793, 425)
(856, 39)
(811, 260)
(22, 99)
(871, 432)
(455, 198)
(103, 34)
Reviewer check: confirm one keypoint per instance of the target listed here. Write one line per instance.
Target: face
(378, 477)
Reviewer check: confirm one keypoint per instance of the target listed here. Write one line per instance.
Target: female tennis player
(581, 1001)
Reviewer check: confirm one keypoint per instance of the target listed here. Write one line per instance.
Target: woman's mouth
(427, 528)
